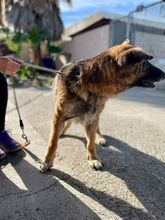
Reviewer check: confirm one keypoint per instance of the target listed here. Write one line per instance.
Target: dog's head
(151, 75)
(135, 57)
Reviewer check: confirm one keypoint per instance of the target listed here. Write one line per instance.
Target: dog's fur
(83, 87)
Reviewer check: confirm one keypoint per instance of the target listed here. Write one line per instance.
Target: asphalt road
(132, 184)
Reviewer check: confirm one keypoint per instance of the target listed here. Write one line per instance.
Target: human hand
(10, 65)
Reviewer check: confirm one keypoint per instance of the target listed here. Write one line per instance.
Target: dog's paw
(95, 164)
(101, 141)
(45, 166)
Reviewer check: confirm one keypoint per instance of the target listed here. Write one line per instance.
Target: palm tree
(2, 12)
(44, 15)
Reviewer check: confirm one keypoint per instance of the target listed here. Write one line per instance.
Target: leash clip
(27, 141)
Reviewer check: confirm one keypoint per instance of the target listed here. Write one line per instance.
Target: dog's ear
(132, 56)
(127, 41)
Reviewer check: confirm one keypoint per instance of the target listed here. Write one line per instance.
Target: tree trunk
(35, 55)
(2, 13)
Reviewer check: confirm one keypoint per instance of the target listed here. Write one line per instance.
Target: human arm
(10, 65)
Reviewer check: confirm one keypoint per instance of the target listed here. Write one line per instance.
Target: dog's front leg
(57, 123)
(93, 159)
(65, 127)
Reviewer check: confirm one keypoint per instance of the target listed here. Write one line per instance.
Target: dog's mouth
(148, 84)
(145, 84)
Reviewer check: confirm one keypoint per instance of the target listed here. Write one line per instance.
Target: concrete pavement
(132, 184)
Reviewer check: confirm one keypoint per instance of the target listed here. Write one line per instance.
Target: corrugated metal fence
(144, 27)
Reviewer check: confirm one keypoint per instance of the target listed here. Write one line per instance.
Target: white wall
(154, 44)
(88, 44)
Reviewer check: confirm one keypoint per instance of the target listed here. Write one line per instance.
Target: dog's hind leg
(93, 159)
(65, 127)
(99, 138)
(57, 123)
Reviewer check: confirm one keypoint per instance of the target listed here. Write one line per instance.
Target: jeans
(3, 100)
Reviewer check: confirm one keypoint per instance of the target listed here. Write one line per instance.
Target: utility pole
(130, 16)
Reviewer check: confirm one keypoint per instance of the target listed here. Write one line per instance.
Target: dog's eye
(145, 66)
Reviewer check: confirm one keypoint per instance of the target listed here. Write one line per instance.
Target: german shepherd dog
(84, 86)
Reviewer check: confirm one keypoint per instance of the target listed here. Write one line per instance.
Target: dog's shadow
(38, 196)
(143, 174)
(118, 206)
(47, 197)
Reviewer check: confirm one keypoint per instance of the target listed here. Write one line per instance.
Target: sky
(83, 8)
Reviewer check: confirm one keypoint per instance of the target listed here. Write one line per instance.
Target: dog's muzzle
(163, 76)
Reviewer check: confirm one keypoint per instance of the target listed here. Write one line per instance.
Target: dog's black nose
(161, 74)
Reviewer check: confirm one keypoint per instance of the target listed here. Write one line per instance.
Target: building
(88, 37)
(100, 31)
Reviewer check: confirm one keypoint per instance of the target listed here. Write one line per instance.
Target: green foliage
(14, 40)
(19, 37)
(54, 49)
(25, 75)
(4, 31)
(29, 76)
(36, 37)
(12, 46)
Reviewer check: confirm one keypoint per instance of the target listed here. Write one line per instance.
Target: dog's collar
(72, 81)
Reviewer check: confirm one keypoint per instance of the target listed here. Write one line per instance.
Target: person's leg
(3, 100)
(3, 105)
(7, 143)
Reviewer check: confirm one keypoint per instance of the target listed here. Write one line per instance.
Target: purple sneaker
(7, 143)
(2, 154)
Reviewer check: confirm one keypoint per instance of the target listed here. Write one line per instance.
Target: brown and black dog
(83, 87)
